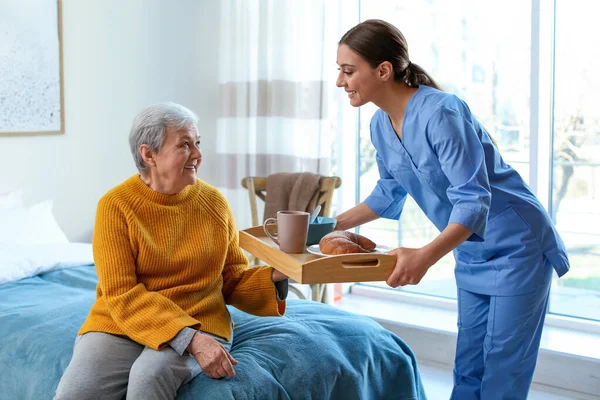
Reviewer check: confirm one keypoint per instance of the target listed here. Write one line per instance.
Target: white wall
(118, 56)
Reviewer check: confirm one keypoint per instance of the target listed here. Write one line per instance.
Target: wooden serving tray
(311, 268)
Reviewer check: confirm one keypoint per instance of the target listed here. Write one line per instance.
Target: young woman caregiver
(431, 147)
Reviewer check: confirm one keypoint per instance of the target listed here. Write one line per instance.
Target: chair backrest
(257, 187)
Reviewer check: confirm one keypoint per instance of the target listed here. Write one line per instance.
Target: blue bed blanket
(314, 352)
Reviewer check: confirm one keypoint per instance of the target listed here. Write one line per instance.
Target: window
(482, 52)
(466, 47)
(576, 158)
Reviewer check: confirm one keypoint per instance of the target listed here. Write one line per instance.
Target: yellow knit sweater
(165, 262)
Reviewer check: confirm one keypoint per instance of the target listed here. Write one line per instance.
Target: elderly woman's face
(176, 163)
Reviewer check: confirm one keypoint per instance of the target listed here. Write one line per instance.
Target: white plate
(314, 249)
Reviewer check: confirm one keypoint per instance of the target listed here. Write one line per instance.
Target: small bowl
(321, 227)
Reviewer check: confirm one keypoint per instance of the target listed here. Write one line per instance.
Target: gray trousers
(109, 367)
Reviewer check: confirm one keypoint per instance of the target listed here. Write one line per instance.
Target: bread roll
(343, 242)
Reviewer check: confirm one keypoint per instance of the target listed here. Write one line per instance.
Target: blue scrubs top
(448, 164)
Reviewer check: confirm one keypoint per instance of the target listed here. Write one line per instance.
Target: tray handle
(349, 268)
(367, 263)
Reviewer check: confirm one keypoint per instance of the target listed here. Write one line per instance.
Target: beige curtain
(272, 92)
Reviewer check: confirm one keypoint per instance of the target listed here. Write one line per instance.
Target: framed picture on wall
(31, 76)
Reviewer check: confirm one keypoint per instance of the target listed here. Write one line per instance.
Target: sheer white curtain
(276, 63)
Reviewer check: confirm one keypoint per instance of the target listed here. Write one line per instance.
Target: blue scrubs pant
(498, 343)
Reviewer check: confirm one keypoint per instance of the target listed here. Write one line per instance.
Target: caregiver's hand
(215, 361)
(411, 266)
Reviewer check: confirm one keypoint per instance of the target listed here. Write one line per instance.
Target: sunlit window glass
(576, 157)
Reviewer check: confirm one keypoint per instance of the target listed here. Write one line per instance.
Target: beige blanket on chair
(291, 191)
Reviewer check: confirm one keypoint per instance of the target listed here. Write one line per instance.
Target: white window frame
(554, 320)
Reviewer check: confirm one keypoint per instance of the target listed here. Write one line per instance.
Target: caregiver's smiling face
(356, 76)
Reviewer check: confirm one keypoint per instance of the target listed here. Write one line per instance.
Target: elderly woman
(168, 261)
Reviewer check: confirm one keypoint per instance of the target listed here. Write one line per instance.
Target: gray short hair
(149, 127)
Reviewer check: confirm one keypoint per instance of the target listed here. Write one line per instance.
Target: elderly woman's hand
(215, 361)
(278, 276)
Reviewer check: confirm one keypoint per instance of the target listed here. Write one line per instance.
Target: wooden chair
(257, 187)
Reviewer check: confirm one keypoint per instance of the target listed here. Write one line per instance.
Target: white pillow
(29, 226)
(11, 199)
(18, 262)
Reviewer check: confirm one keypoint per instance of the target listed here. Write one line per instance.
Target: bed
(315, 352)
(47, 286)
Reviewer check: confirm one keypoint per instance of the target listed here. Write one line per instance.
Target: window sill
(568, 359)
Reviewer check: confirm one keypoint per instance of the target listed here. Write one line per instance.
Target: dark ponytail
(377, 41)
(414, 76)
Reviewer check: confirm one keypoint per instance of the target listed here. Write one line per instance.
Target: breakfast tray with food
(318, 268)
